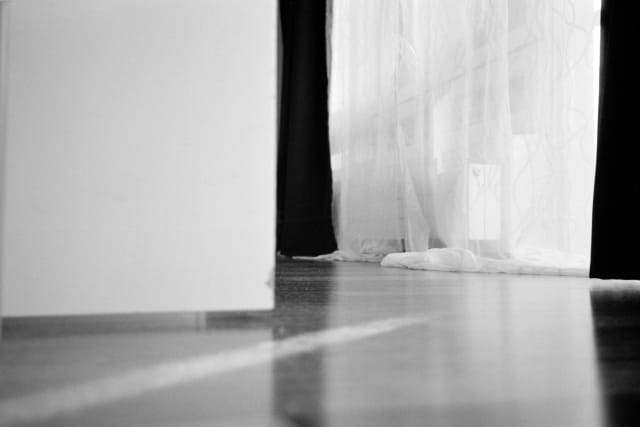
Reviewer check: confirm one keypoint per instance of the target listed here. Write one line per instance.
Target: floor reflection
(498, 349)
(616, 312)
(302, 299)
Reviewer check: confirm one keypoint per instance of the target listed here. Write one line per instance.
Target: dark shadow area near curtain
(304, 224)
(616, 321)
(616, 222)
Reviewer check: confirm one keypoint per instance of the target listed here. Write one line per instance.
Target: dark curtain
(615, 245)
(304, 197)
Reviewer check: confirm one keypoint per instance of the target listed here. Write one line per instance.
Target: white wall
(140, 170)
(3, 38)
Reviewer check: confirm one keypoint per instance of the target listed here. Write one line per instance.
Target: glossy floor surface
(349, 344)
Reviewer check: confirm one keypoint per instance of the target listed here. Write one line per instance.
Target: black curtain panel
(304, 225)
(615, 245)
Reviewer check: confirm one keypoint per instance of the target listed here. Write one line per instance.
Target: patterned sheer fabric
(464, 125)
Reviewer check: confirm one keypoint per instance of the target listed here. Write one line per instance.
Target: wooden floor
(349, 344)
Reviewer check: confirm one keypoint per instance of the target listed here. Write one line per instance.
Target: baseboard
(56, 326)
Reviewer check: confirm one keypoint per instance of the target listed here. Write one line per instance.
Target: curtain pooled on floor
(464, 130)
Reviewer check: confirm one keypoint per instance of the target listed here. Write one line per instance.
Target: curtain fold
(462, 133)
(304, 223)
(616, 224)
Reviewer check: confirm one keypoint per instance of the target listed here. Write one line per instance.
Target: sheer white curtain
(466, 125)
